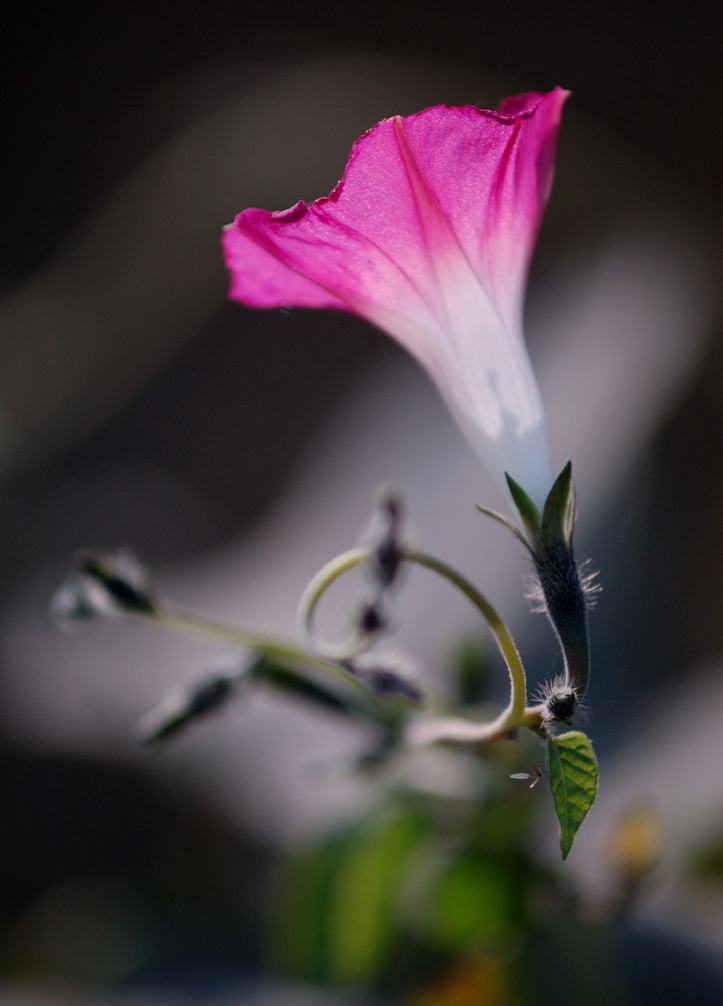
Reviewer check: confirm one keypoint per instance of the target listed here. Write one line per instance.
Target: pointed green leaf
(510, 525)
(528, 511)
(558, 516)
(572, 776)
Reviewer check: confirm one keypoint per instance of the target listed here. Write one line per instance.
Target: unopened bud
(192, 702)
(387, 675)
(386, 541)
(79, 600)
(372, 619)
(121, 576)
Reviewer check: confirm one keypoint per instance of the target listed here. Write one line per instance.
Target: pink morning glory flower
(428, 235)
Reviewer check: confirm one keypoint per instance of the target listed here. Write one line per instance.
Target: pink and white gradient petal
(429, 235)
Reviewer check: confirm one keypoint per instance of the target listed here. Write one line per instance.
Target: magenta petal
(429, 235)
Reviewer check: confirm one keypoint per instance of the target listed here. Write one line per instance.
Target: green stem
(275, 651)
(436, 730)
(310, 600)
(265, 646)
(518, 686)
(511, 717)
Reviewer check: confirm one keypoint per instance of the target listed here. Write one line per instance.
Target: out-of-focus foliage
(440, 896)
(436, 900)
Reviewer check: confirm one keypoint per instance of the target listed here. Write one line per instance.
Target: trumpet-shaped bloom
(428, 235)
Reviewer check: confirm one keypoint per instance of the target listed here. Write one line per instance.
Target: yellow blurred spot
(635, 845)
(480, 982)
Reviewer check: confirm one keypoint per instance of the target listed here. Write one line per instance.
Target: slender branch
(443, 728)
(448, 729)
(456, 730)
(310, 600)
(282, 660)
(266, 646)
(512, 716)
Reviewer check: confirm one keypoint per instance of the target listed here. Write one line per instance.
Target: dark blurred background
(138, 407)
(89, 94)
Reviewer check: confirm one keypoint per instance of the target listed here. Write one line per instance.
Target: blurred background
(237, 451)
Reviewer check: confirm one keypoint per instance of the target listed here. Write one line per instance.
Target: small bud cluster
(192, 702)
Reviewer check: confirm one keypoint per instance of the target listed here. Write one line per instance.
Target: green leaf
(558, 515)
(572, 776)
(528, 511)
(510, 525)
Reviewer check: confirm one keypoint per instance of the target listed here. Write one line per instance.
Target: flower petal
(428, 235)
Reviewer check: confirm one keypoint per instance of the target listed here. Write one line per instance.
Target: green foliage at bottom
(335, 916)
